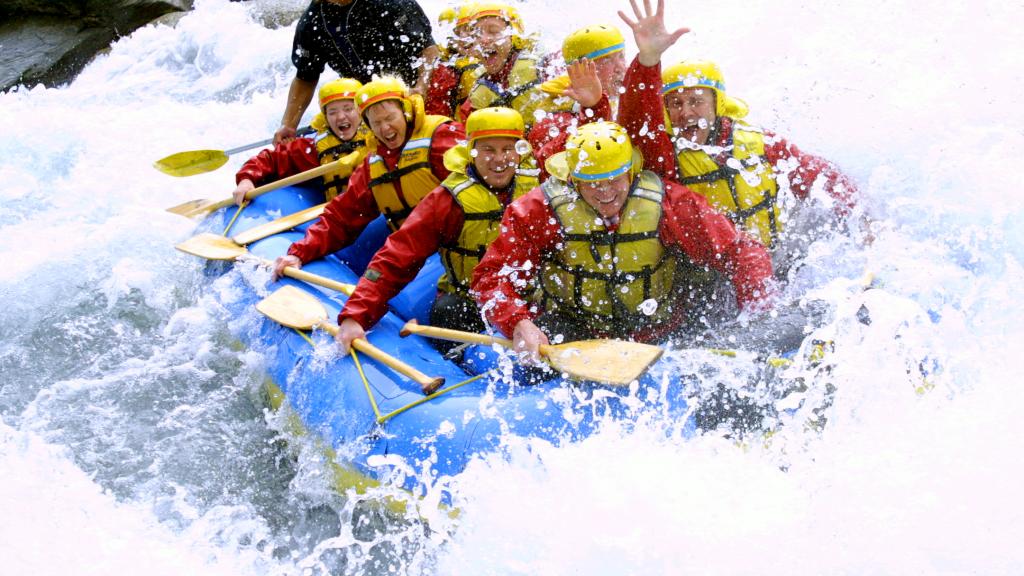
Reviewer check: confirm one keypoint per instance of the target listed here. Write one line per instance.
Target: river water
(133, 431)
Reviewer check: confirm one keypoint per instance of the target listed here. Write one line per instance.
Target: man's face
(611, 70)
(496, 159)
(607, 196)
(692, 112)
(463, 39)
(387, 122)
(343, 118)
(493, 42)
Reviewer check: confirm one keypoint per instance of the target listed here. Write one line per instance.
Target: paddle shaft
(427, 384)
(300, 132)
(294, 179)
(460, 336)
(296, 308)
(292, 272)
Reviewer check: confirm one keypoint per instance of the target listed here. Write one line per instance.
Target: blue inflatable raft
(377, 424)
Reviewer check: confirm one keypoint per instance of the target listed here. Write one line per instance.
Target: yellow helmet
(598, 151)
(507, 13)
(694, 73)
(381, 89)
(339, 89)
(494, 121)
(592, 43)
(503, 11)
(458, 16)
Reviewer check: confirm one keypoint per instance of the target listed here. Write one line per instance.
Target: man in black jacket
(357, 39)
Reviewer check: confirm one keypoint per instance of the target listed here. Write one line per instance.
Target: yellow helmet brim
(557, 165)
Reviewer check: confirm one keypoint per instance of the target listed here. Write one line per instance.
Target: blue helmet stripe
(602, 52)
(689, 84)
(604, 175)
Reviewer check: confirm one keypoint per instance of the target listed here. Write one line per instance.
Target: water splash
(128, 415)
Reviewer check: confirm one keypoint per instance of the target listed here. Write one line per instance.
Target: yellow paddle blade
(212, 247)
(191, 163)
(614, 362)
(291, 307)
(280, 225)
(194, 208)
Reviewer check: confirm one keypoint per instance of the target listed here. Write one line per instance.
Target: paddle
(215, 247)
(295, 308)
(616, 362)
(200, 161)
(194, 208)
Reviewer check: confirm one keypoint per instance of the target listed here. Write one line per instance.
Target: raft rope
(380, 419)
(235, 217)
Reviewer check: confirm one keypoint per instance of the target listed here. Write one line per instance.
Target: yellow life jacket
(483, 212)
(523, 94)
(413, 173)
(742, 186)
(330, 148)
(624, 278)
(467, 71)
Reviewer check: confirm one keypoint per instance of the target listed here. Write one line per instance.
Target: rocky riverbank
(51, 41)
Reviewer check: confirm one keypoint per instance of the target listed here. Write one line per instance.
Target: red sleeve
(548, 136)
(436, 220)
(446, 136)
(503, 279)
(443, 84)
(709, 239)
(343, 219)
(465, 110)
(642, 114)
(279, 162)
(805, 171)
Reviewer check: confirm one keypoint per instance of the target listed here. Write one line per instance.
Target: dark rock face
(50, 41)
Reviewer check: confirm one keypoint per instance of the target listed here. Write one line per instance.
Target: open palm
(649, 32)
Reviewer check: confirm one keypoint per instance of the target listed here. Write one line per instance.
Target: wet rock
(50, 41)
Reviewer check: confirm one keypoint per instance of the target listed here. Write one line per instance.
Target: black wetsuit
(363, 38)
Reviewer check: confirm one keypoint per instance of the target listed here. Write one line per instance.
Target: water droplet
(648, 307)
(473, 153)
(522, 147)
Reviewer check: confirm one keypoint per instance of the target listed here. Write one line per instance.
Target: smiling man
(606, 249)
(406, 162)
(459, 219)
(339, 133)
(511, 76)
(691, 130)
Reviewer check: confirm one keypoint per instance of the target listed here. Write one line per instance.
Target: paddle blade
(614, 362)
(191, 163)
(194, 208)
(294, 308)
(211, 247)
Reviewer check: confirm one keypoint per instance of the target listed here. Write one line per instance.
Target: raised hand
(585, 86)
(649, 32)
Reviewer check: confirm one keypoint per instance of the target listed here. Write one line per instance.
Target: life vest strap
(723, 173)
(505, 97)
(605, 238)
(493, 215)
(396, 174)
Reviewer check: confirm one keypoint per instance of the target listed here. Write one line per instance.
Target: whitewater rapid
(133, 431)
